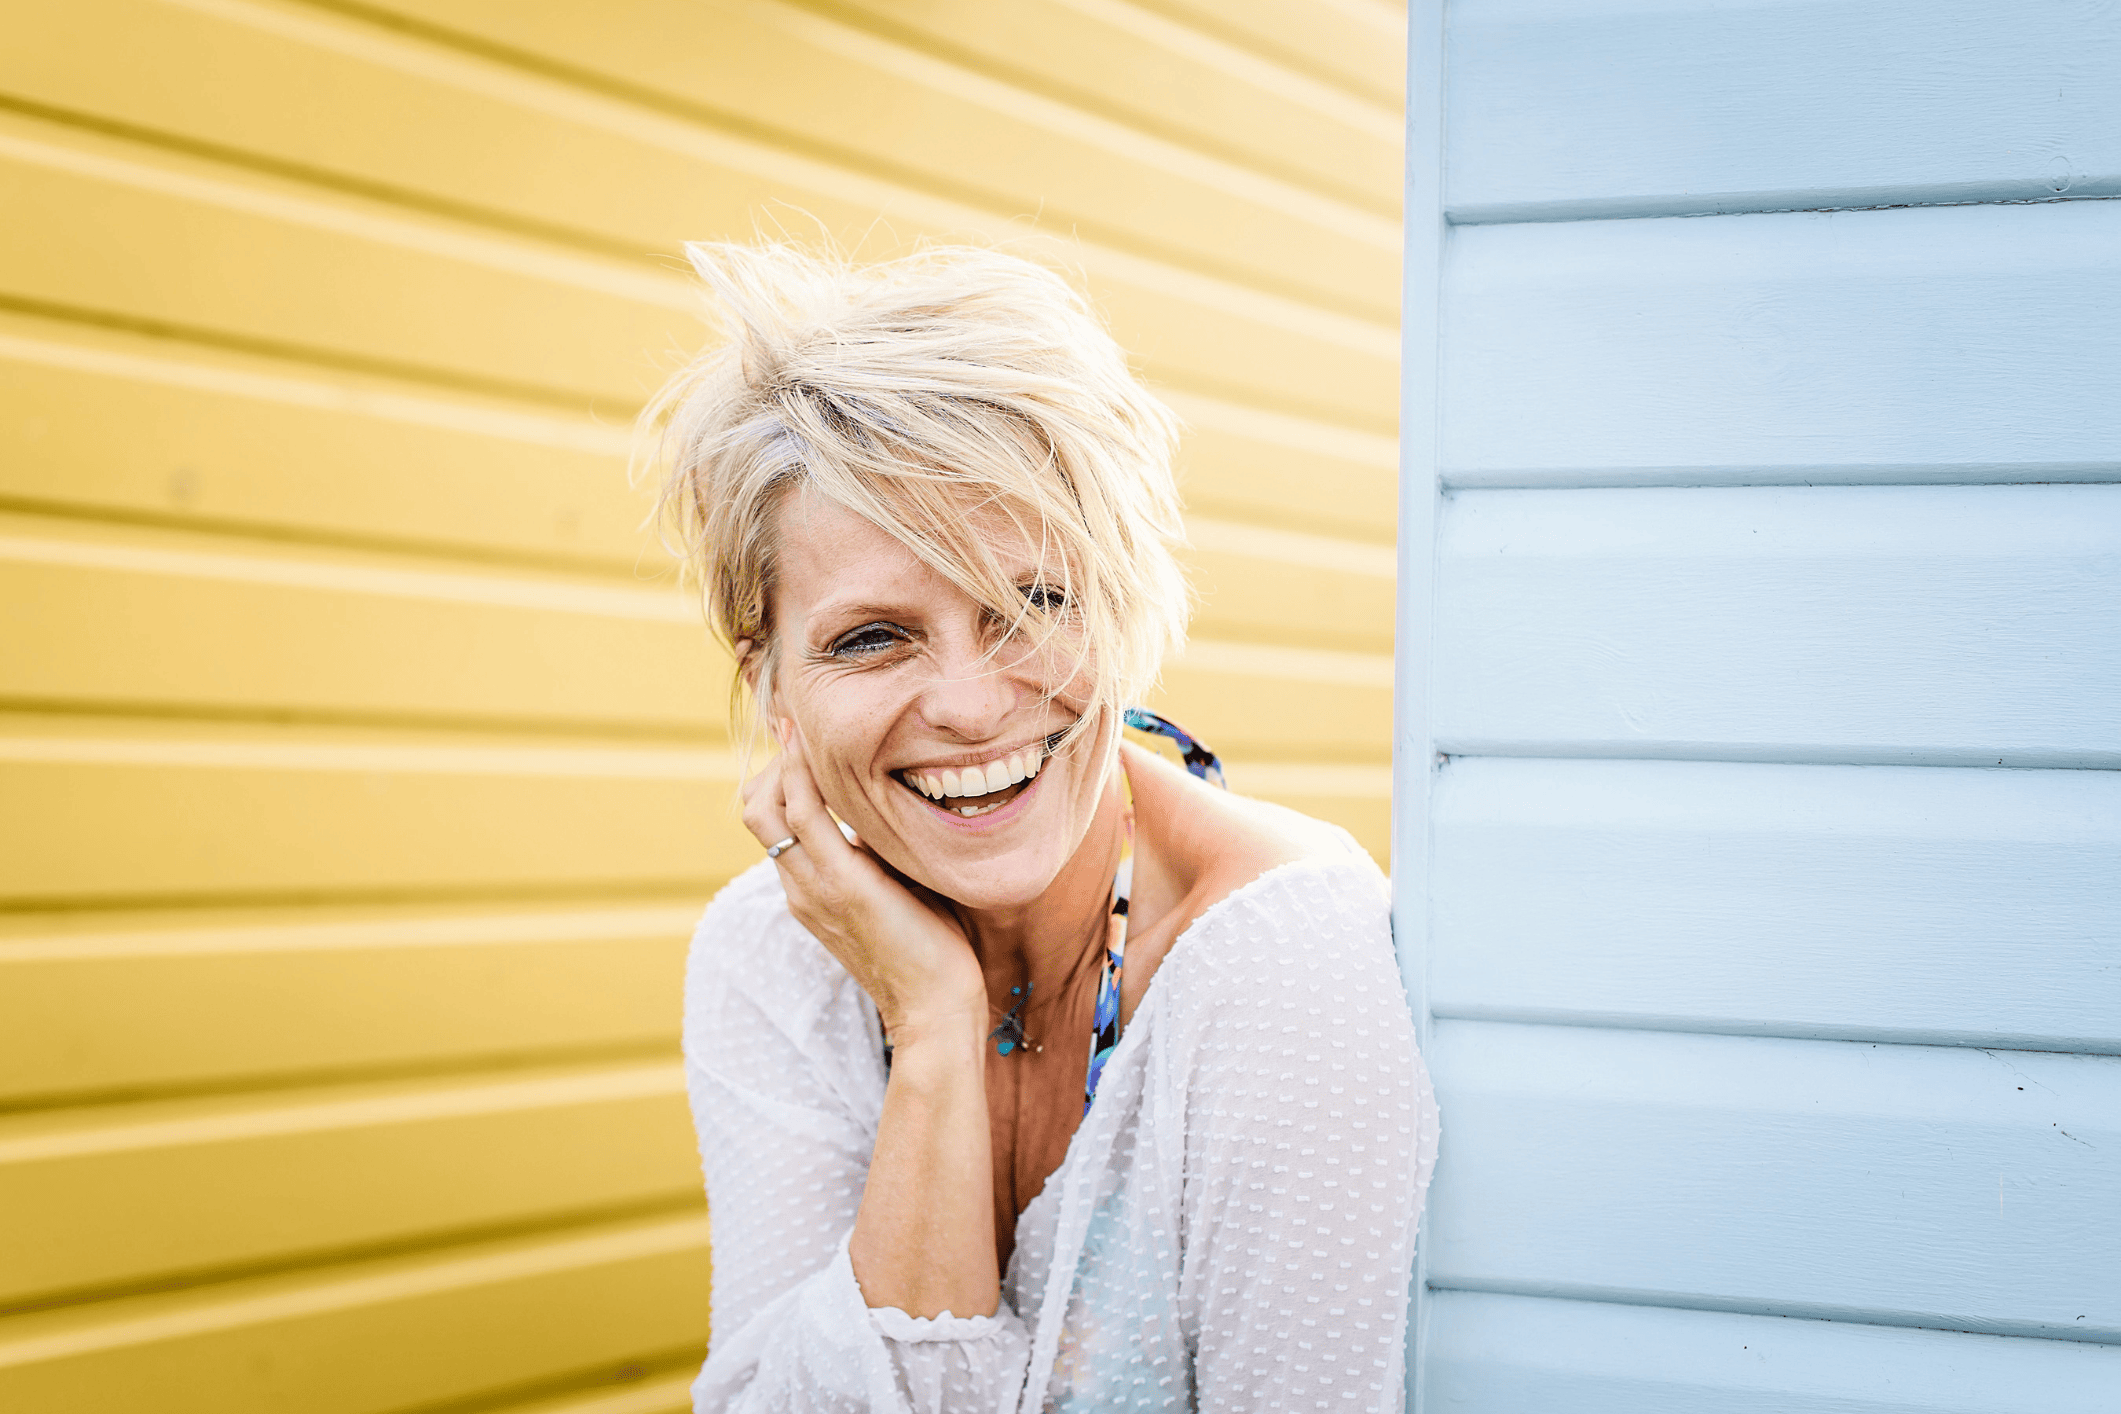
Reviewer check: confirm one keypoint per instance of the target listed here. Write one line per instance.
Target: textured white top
(1232, 1228)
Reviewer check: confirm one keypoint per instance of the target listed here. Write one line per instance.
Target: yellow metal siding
(361, 767)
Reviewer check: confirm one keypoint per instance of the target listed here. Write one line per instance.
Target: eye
(866, 641)
(1045, 598)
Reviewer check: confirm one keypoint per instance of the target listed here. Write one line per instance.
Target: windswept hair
(940, 396)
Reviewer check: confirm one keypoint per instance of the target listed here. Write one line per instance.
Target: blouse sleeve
(1311, 1136)
(783, 1066)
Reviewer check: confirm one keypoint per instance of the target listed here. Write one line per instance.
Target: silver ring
(773, 851)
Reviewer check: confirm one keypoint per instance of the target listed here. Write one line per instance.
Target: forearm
(924, 1238)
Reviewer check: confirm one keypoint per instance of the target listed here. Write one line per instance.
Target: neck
(1047, 940)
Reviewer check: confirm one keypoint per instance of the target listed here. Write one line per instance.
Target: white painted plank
(1951, 625)
(1976, 343)
(1491, 1354)
(1564, 108)
(1911, 904)
(1900, 1185)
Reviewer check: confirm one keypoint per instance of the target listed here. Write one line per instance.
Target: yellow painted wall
(360, 768)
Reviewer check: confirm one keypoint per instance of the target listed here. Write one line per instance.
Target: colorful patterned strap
(1104, 1019)
(1199, 760)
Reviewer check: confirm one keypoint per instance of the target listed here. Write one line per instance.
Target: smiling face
(938, 754)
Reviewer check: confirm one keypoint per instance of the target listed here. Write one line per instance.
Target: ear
(748, 659)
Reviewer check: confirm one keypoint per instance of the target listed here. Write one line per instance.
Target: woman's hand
(904, 949)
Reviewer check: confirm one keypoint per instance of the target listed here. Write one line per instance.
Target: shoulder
(1316, 917)
(1220, 840)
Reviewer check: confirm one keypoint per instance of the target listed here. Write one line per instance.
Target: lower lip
(974, 824)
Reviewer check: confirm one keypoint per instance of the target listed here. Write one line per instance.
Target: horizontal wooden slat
(84, 1007)
(1884, 346)
(1914, 904)
(169, 811)
(377, 1336)
(401, 291)
(115, 1195)
(1906, 1185)
(273, 261)
(147, 812)
(118, 424)
(114, 423)
(1491, 1354)
(1291, 587)
(1246, 464)
(1360, 44)
(353, 635)
(896, 112)
(1166, 77)
(1262, 702)
(531, 317)
(1946, 625)
(1695, 106)
(457, 128)
(157, 618)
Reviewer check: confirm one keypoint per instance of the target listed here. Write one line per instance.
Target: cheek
(844, 724)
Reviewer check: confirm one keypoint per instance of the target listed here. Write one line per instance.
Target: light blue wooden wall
(1759, 820)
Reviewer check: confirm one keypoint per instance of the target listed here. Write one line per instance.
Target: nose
(970, 697)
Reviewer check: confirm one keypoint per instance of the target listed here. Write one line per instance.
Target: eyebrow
(826, 613)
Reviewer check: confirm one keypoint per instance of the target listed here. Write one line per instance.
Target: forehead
(829, 556)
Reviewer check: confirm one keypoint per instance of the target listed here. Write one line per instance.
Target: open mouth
(972, 791)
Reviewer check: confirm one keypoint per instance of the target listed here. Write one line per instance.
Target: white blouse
(1232, 1228)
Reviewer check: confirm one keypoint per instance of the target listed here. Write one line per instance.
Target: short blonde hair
(948, 390)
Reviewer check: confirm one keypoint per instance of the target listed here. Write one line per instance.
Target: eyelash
(847, 646)
(1046, 597)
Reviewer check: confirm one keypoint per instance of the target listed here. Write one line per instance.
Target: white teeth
(994, 776)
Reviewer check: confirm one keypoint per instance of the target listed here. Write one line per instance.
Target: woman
(1032, 1071)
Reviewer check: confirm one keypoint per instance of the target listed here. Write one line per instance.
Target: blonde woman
(1031, 1070)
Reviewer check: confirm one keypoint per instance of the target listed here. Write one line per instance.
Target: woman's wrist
(932, 1044)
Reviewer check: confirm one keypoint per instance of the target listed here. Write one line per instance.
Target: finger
(765, 811)
(808, 820)
(767, 780)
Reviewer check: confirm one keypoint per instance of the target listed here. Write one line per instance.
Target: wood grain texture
(1929, 1186)
(129, 1194)
(376, 1336)
(1493, 1354)
(1564, 110)
(1936, 625)
(84, 1007)
(1968, 343)
(1925, 905)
